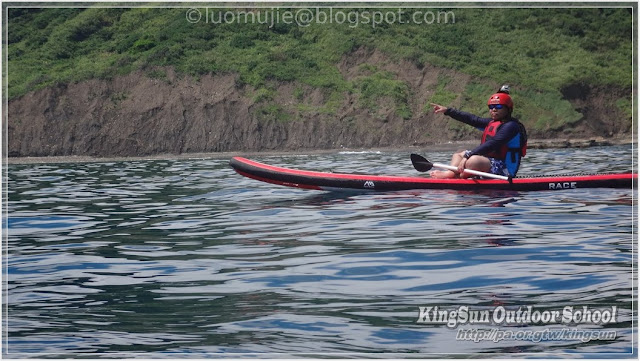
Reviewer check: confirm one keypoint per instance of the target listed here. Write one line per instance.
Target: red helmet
(501, 98)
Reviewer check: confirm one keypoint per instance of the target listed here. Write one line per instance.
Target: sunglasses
(496, 106)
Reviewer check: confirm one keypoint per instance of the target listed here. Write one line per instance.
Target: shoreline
(449, 146)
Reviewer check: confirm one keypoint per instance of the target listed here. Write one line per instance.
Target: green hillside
(538, 51)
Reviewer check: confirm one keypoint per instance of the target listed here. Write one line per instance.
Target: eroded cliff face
(136, 115)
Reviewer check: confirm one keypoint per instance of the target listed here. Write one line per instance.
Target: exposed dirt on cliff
(137, 115)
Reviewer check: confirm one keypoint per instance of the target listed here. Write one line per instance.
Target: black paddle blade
(420, 163)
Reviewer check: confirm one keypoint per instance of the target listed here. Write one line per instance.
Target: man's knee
(478, 162)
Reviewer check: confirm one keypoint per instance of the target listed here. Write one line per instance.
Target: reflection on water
(187, 258)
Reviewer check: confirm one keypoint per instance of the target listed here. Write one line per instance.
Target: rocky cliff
(138, 114)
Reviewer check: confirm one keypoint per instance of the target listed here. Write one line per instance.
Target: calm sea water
(185, 258)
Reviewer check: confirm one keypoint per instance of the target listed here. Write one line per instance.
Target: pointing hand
(439, 108)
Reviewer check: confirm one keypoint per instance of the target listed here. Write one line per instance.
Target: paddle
(421, 164)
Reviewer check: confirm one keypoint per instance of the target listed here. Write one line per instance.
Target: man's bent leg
(479, 163)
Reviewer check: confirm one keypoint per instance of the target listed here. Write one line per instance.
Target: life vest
(512, 151)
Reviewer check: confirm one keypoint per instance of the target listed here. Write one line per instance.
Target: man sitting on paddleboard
(504, 141)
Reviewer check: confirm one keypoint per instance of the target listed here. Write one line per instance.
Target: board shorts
(498, 167)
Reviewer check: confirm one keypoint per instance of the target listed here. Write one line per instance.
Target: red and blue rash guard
(499, 145)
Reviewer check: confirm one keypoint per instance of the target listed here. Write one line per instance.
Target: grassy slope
(538, 51)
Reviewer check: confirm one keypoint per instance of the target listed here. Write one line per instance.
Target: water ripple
(186, 258)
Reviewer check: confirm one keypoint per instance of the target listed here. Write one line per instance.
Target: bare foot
(442, 174)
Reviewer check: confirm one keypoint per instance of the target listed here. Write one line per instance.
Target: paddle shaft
(471, 171)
